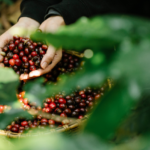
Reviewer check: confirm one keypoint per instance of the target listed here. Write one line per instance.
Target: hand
(25, 23)
(52, 56)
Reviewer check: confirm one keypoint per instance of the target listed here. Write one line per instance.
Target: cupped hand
(24, 23)
(52, 56)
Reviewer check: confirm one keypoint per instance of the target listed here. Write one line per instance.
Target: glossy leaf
(9, 82)
(97, 33)
(107, 116)
(36, 91)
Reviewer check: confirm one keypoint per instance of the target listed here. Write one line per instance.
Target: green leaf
(107, 116)
(97, 33)
(8, 116)
(36, 91)
(9, 2)
(9, 82)
(79, 142)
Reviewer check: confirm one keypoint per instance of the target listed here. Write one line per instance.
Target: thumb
(4, 39)
(48, 57)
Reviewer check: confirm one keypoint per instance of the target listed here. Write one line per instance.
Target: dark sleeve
(71, 10)
(36, 9)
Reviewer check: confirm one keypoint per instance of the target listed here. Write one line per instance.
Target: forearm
(35, 9)
(71, 10)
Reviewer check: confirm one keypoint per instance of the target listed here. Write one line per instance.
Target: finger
(1, 65)
(1, 57)
(40, 72)
(48, 57)
(24, 76)
(4, 39)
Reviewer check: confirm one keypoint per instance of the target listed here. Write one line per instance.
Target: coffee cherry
(18, 72)
(24, 123)
(29, 57)
(16, 51)
(26, 51)
(34, 54)
(6, 62)
(45, 105)
(52, 105)
(63, 115)
(44, 120)
(17, 42)
(15, 56)
(67, 111)
(27, 127)
(78, 100)
(82, 104)
(62, 106)
(10, 55)
(26, 65)
(80, 117)
(26, 71)
(90, 98)
(58, 111)
(31, 47)
(48, 110)
(12, 62)
(1, 109)
(12, 46)
(25, 59)
(65, 122)
(37, 63)
(14, 129)
(75, 114)
(21, 54)
(18, 62)
(15, 67)
(70, 101)
(32, 68)
(62, 101)
(72, 107)
(16, 125)
(16, 37)
(20, 46)
(39, 44)
(44, 47)
(48, 100)
(81, 92)
(35, 44)
(51, 122)
(83, 95)
(91, 104)
(35, 58)
(31, 62)
(5, 49)
(97, 96)
(82, 110)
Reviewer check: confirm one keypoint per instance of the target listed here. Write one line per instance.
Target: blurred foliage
(120, 46)
(9, 82)
(9, 2)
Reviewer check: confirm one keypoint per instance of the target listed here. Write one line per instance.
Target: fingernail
(44, 65)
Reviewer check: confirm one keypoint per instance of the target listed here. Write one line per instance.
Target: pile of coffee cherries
(24, 56)
(60, 107)
(68, 64)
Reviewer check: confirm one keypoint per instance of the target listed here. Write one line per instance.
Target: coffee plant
(115, 47)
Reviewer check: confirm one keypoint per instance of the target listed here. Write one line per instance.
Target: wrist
(28, 22)
(56, 20)
(52, 24)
